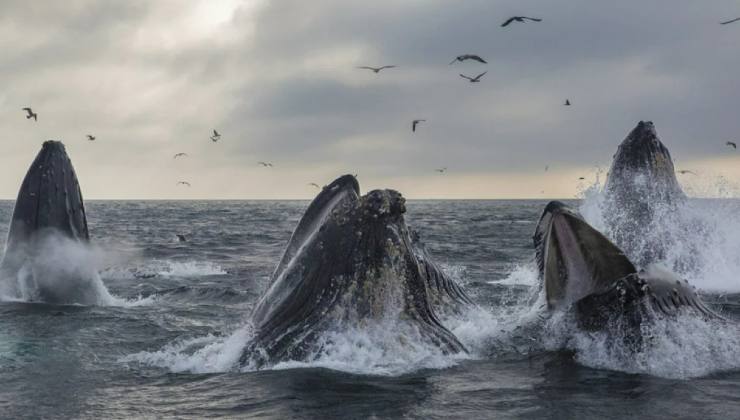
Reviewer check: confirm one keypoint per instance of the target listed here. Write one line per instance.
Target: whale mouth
(349, 263)
(574, 259)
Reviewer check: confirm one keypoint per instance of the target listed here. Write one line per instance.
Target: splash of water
(700, 237)
(65, 271)
(60, 270)
(164, 268)
(680, 347)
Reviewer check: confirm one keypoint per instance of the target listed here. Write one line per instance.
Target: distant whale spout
(349, 263)
(49, 215)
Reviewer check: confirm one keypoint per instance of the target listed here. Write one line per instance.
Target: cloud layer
(279, 80)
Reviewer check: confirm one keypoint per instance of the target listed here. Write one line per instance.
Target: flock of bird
(216, 136)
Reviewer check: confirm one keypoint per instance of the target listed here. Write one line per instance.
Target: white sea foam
(61, 269)
(66, 270)
(205, 354)
(704, 237)
(679, 347)
(379, 349)
(164, 268)
(520, 275)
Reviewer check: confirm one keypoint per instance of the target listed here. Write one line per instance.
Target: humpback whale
(580, 268)
(641, 189)
(49, 215)
(350, 262)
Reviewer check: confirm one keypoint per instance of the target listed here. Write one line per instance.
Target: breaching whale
(350, 262)
(641, 191)
(49, 214)
(580, 268)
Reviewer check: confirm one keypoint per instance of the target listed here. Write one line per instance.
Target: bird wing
(215, 133)
(453, 61)
(477, 58)
(532, 19)
(480, 75)
(367, 68)
(508, 21)
(27, 110)
(729, 21)
(465, 77)
(388, 67)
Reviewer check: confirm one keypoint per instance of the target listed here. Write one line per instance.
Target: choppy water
(165, 344)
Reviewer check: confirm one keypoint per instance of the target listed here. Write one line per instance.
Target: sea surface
(165, 343)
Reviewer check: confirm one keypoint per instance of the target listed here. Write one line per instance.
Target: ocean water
(174, 316)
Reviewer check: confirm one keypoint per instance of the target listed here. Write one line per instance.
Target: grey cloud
(89, 67)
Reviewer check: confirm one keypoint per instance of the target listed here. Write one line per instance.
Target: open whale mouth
(349, 263)
(574, 259)
(578, 265)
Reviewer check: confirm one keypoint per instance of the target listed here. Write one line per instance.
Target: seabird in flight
(414, 123)
(464, 57)
(519, 19)
(475, 79)
(31, 114)
(376, 69)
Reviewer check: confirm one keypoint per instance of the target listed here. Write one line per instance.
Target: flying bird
(31, 114)
(181, 238)
(731, 144)
(177, 155)
(729, 21)
(441, 170)
(581, 178)
(464, 57)
(414, 123)
(567, 102)
(519, 19)
(376, 69)
(313, 184)
(185, 183)
(686, 171)
(216, 136)
(475, 79)
(90, 137)
(265, 164)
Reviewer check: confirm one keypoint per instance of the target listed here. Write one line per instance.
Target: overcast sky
(278, 79)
